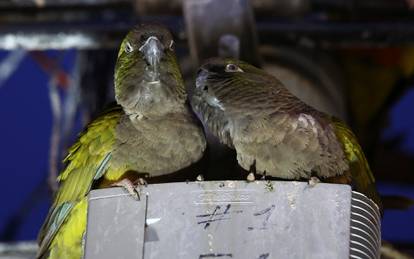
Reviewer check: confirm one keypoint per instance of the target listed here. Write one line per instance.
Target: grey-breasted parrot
(273, 131)
(150, 131)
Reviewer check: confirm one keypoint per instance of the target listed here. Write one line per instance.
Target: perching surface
(229, 219)
(116, 225)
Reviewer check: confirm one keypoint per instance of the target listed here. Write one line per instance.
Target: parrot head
(228, 83)
(147, 77)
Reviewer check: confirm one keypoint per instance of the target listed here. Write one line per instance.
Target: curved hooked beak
(153, 50)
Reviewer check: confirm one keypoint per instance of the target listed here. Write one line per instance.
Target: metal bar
(107, 34)
(61, 3)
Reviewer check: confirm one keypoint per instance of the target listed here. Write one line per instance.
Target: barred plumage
(273, 130)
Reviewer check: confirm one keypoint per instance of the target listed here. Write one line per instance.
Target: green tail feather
(362, 178)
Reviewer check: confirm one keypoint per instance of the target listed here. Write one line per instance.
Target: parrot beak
(153, 51)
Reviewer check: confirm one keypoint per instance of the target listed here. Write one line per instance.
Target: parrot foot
(138, 184)
(132, 188)
(141, 182)
(200, 178)
(313, 181)
(251, 177)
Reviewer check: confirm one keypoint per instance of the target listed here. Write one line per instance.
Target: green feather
(362, 178)
(87, 161)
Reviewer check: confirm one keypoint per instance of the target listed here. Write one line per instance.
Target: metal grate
(365, 239)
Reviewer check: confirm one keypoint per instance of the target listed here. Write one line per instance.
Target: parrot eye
(128, 47)
(171, 45)
(232, 68)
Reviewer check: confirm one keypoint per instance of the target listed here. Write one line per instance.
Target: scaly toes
(200, 178)
(313, 181)
(127, 185)
(251, 177)
(139, 183)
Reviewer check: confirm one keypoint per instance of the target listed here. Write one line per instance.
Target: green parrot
(273, 132)
(151, 131)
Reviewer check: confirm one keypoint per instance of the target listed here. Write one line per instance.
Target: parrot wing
(362, 178)
(87, 161)
(270, 143)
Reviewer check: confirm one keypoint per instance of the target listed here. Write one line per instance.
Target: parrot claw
(200, 178)
(141, 182)
(313, 181)
(130, 187)
(251, 177)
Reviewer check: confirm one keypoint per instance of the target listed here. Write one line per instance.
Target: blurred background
(353, 59)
